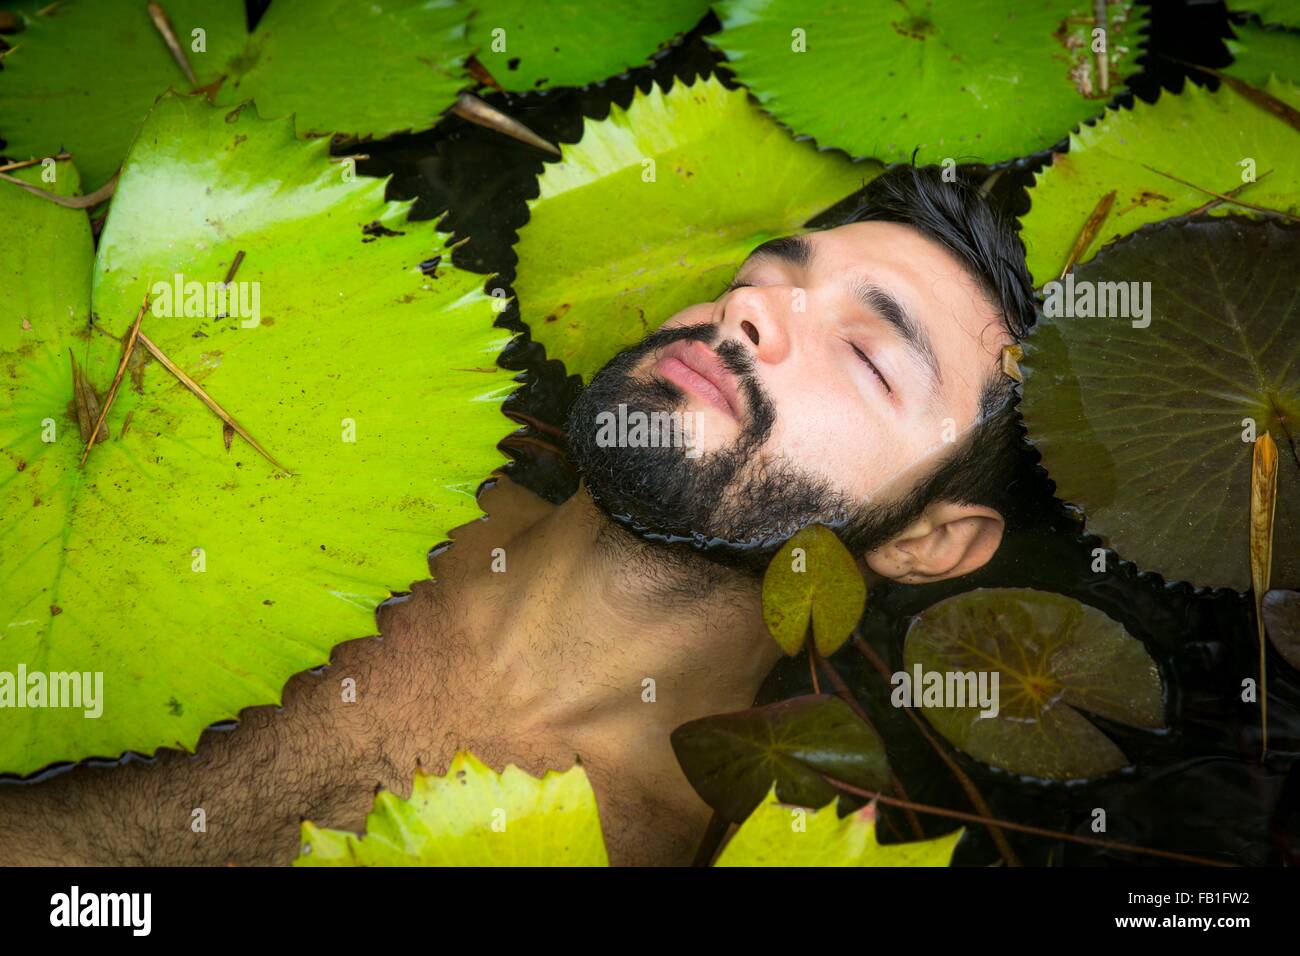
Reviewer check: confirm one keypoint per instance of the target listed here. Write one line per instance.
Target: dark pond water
(1198, 787)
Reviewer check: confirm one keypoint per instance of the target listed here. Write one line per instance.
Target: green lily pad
(83, 75)
(732, 759)
(780, 835)
(1198, 136)
(472, 816)
(703, 175)
(526, 45)
(47, 255)
(1149, 429)
(1054, 657)
(1258, 54)
(371, 69)
(974, 80)
(813, 580)
(1286, 12)
(196, 577)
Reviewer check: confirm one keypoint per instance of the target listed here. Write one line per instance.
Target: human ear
(946, 541)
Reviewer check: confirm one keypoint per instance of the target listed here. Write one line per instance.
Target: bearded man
(849, 376)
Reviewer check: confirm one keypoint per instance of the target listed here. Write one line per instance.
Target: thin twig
(842, 688)
(1231, 192)
(1263, 504)
(117, 379)
(1091, 226)
(69, 202)
(967, 784)
(207, 400)
(234, 267)
(1103, 57)
(471, 108)
(32, 162)
(164, 25)
(1224, 197)
(1024, 827)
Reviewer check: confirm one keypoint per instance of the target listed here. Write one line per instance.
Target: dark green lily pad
(969, 79)
(368, 69)
(525, 44)
(1258, 53)
(733, 759)
(1286, 12)
(1142, 428)
(1054, 657)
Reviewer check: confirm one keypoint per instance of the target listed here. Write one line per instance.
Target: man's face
(835, 374)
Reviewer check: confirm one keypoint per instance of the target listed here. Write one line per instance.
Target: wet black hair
(950, 209)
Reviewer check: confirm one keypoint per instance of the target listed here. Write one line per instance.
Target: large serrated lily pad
(197, 578)
(1148, 429)
(975, 80)
(83, 74)
(472, 816)
(780, 835)
(1258, 53)
(1054, 657)
(372, 69)
(654, 209)
(525, 44)
(1214, 140)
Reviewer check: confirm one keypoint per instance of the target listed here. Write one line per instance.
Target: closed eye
(862, 355)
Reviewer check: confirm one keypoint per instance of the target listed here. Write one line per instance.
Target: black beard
(727, 502)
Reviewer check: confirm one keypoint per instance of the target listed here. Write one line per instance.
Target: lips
(695, 367)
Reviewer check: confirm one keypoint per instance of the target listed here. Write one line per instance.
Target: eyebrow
(798, 251)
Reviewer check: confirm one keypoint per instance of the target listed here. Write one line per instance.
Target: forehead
(943, 297)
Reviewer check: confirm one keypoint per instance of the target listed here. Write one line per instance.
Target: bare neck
(598, 633)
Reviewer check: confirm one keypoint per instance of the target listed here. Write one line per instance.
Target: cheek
(860, 454)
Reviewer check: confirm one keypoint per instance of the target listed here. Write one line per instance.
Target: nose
(762, 315)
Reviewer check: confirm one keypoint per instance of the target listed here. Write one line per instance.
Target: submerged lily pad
(525, 44)
(194, 575)
(1258, 54)
(813, 581)
(1149, 429)
(969, 79)
(654, 209)
(84, 73)
(472, 816)
(1214, 140)
(1054, 657)
(732, 759)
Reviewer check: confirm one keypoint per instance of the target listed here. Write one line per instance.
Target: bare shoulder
(239, 798)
